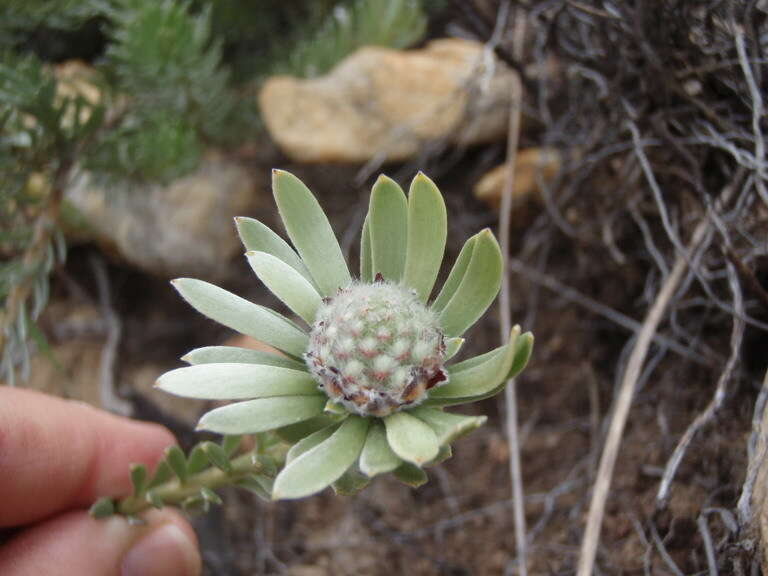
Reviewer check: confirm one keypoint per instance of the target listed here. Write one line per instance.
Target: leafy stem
(190, 481)
(175, 492)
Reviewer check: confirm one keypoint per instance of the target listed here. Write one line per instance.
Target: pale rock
(532, 165)
(388, 104)
(184, 228)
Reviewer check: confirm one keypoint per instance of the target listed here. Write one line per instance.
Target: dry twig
(510, 393)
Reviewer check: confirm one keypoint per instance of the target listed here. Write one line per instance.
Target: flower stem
(174, 492)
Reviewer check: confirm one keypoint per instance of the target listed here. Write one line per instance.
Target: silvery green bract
(364, 390)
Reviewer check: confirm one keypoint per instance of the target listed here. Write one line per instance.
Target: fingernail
(165, 551)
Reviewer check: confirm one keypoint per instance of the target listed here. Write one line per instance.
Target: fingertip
(164, 544)
(169, 546)
(83, 452)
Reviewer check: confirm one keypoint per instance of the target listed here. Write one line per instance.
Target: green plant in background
(42, 133)
(349, 26)
(161, 98)
(363, 390)
(48, 127)
(19, 21)
(165, 70)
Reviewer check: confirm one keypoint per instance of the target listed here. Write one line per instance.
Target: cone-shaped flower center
(375, 348)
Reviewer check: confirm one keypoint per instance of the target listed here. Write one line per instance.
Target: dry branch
(510, 392)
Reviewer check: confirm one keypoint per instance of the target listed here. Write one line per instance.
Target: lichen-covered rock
(179, 229)
(384, 103)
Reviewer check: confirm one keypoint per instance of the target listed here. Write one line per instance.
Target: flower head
(376, 349)
(363, 390)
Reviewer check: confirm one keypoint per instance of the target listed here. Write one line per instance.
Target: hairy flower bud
(375, 348)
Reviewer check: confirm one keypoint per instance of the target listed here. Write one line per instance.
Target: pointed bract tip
(514, 334)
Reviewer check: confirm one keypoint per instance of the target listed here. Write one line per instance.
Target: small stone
(531, 165)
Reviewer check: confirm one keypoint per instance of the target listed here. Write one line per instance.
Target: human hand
(56, 458)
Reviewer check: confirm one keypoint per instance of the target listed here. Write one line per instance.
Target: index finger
(57, 454)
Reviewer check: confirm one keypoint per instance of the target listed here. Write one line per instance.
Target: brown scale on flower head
(441, 346)
(413, 391)
(438, 378)
(386, 348)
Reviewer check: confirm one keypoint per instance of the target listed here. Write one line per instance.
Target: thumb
(75, 543)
